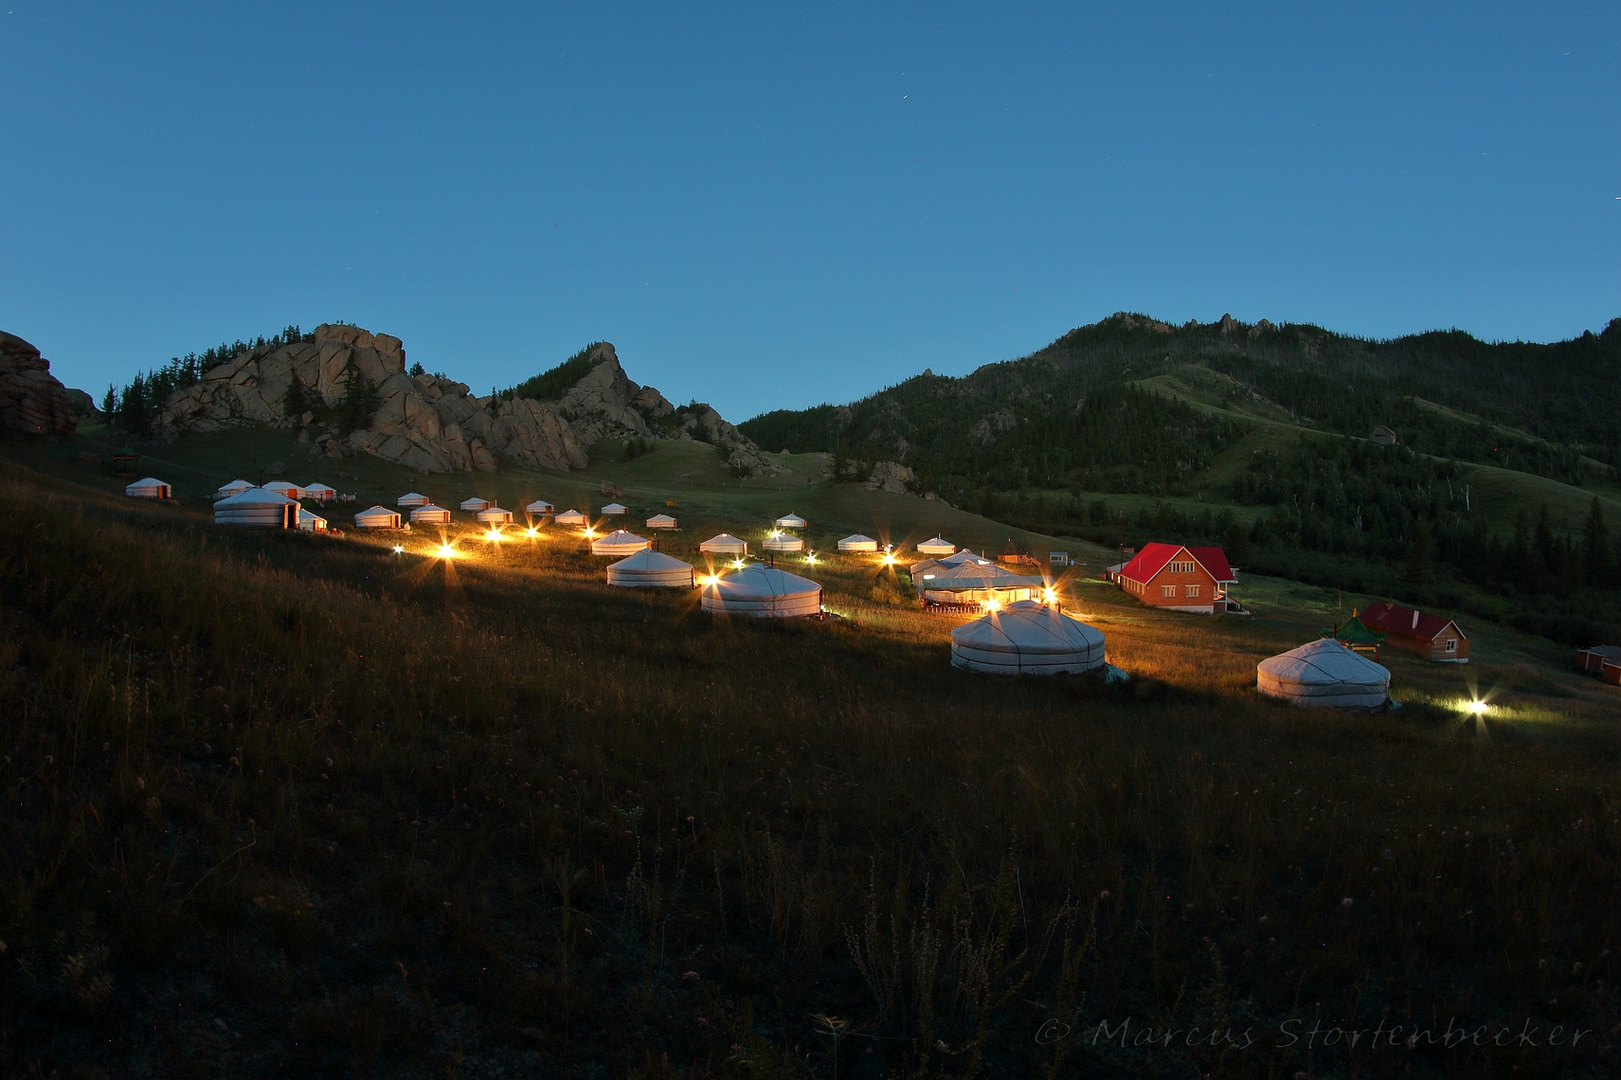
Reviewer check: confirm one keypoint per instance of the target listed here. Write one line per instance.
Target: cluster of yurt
(761, 592)
(377, 517)
(724, 544)
(965, 578)
(858, 542)
(428, 514)
(649, 568)
(148, 488)
(1324, 674)
(661, 521)
(257, 508)
(619, 543)
(1027, 638)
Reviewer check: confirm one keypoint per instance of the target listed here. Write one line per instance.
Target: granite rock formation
(32, 401)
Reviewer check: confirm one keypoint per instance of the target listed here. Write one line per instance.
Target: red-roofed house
(1180, 578)
(1434, 636)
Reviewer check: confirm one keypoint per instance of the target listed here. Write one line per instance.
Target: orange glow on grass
(446, 551)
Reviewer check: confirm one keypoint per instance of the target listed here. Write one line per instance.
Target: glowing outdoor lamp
(399, 549)
(737, 564)
(445, 551)
(1478, 708)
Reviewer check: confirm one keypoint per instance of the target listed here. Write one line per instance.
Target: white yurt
(475, 504)
(858, 543)
(619, 543)
(150, 488)
(257, 508)
(309, 521)
(790, 521)
(282, 487)
(412, 498)
(539, 506)
(235, 487)
(1027, 638)
(320, 493)
(494, 515)
(936, 547)
(378, 517)
(973, 583)
(762, 592)
(782, 542)
(724, 544)
(615, 509)
(652, 568)
(429, 514)
(661, 521)
(1324, 673)
(570, 517)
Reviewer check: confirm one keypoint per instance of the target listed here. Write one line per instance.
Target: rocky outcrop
(32, 401)
(427, 422)
(891, 476)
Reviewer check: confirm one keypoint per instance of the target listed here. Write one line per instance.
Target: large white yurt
(858, 543)
(283, 488)
(412, 498)
(619, 543)
(320, 493)
(570, 517)
(782, 542)
(475, 504)
(378, 517)
(661, 521)
(235, 487)
(973, 583)
(1324, 673)
(257, 508)
(936, 547)
(724, 544)
(790, 521)
(494, 515)
(429, 514)
(762, 592)
(149, 488)
(615, 509)
(539, 506)
(309, 521)
(1027, 638)
(652, 568)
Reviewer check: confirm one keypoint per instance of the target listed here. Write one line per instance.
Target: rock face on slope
(32, 401)
(429, 423)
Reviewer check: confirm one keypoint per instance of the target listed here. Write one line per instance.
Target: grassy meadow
(298, 805)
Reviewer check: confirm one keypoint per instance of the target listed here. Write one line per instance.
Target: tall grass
(279, 805)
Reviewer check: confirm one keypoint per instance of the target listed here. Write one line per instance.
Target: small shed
(429, 514)
(412, 498)
(378, 517)
(661, 521)
(1355, 635)
(1593, 658)
(1016, 553)
(149, 488)
(858, 542)
(619, 543)
(320, 493)
(724, 544)
(474, 505)
(1058, 558)
(936, 547)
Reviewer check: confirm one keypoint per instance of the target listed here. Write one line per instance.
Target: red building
(1179, 578)
(1434, 636)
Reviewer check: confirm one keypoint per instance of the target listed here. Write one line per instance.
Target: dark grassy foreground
(277, 806)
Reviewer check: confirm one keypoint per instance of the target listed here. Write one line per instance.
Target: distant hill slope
(1032, 422)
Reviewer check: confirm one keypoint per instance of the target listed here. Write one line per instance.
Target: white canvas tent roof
(649, 568)
(790, 521)
(429, 514)
(257, 508)
(235, 487)
(539, 506)
(858, 542)
(309, 521)
(724, 544)
(475, 504)
(783, 542)
(937, 546)
(412, 498)
(319, 492)
(1324, 673)
(494, 515)
(148, 488)
(615, 508)
(1027, 638)
(618, 542)
(378, 517)
(661, 521)
(570, 517)
(762, 592)
(282, 487)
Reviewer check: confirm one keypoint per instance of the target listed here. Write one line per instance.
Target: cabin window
(1452, 645)
(1182, 568)
(1193, 590)
(1167, 590)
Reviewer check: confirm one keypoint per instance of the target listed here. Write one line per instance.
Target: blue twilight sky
(769, 205)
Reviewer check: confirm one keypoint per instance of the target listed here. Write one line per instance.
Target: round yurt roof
(974, 576)
(783, 542)
(320, 488)
(965, 556)
(235, 487)
(147, 482)
(615, 508)
(430, 512)
(661, 519)
(539, 506)
(763, 591)
(1324, 673)
(494, 513)
(282, 486)
(475, 503)
(936, 546)
(790, 521)
(1027, 638)
(857, 538)
(570, 517)
(255, 507)
(309, 516)
(618, 542)
(412, 498)
(376, 513)
(254, 496)
(649, 567)
(724, 542)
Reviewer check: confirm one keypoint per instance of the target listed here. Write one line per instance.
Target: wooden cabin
(1433, 636)
(1179, 578)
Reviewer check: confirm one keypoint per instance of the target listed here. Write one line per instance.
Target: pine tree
(1596, 546)
(293, 403)
(359, 399)
(1418, 555)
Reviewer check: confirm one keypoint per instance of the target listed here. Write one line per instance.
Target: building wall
(1153, 593)
(1432, 649)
